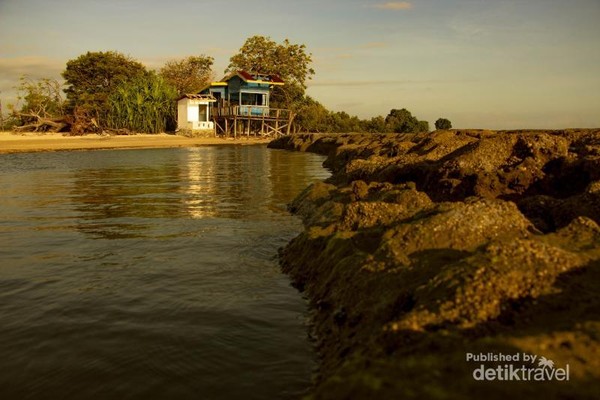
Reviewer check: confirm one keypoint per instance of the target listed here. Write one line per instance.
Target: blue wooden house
(248, 92)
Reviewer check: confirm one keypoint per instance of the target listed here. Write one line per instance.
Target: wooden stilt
(231, 121)
(290, 121)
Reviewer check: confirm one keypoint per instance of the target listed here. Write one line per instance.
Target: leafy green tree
(402, 121)
(145, 104)
(314, 117)
(261, 54)
(92, 78)
(311, 116)
(289, 61)
(443, 123)
(376, 125)
(40, 106)
(40, 97)
(188, 75)
(423, 126)
(342, 122)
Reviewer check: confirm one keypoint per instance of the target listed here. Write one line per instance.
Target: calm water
(151, 274)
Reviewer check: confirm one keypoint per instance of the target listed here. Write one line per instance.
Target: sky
(490, 64)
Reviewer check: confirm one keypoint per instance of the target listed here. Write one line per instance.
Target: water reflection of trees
(248, 181)
(290, 173)
(227, 181)
(237, 182)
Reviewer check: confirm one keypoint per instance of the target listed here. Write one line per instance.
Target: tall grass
(146, 104)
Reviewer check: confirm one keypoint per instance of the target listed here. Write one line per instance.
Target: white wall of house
(193, 114)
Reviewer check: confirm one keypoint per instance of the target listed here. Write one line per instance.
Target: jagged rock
(421, 248)
(478, 288)
(453, 226)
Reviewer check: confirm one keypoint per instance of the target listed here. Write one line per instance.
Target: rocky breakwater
(439, 264)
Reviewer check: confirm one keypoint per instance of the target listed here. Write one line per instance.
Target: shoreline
(33, 142)
(422, 249)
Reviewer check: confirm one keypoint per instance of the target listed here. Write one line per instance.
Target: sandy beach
(11, 142)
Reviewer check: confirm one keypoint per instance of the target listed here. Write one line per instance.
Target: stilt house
(250, 92)
(237, 105)
(240, 106)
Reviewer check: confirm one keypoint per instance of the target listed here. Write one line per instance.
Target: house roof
(213, 84)
(256, 77)
(193, 96)
(249, 77)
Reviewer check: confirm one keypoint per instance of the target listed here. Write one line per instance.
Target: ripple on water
(151, 274)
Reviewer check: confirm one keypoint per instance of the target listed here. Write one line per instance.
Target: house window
(254, 99)
(203, 112)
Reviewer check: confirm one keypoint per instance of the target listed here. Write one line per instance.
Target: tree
(443, 123)
(376, 125)
(42, 108)
(312, 116)
(145, 104)
(341, 121)
(92, 78)
(287, 60)
(402, 121)
(41, 96)
(423, 126)
(188, 75)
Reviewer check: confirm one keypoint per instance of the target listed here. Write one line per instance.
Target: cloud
(31, 65)
(12, 68)
(394, 5)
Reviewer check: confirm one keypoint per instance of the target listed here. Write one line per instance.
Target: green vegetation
(145, 104)
(288, 61)
(109, 90)
(443, 123)
(402, 121)
(42, 106)
(91, 79)
(188, 75)
(41, 97)
(314, 117)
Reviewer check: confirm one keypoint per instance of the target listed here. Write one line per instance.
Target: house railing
(251, 111)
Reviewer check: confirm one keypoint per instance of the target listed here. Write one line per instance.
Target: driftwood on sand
(42, 123)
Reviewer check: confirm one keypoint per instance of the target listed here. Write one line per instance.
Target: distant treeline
(108, 90)
(314, 117)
